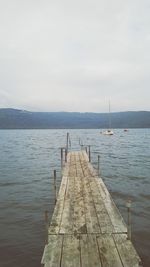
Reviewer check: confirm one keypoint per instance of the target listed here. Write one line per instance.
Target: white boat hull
(108, 132)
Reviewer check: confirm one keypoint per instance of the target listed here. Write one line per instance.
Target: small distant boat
(109, 131)
(125, 130)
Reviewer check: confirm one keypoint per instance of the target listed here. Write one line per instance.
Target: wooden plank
(89, 251)
(79, 171)
(117, 221)
(85, 221)
(85, 169)
(114, 214)
(79, 211)
(71, 251)
(57, 215)
(72, 165)
(92, 171)
(68, 210)
(84, 193)
(108, 251)
(102, 214)
(58, 211)
(52, 252)
(84, 251)
(92, 224)
(126, 251)
(65, 170)
(92, 221)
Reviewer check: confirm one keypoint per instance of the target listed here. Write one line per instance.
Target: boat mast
(109, 116)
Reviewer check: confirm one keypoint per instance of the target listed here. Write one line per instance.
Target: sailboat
(109, 131)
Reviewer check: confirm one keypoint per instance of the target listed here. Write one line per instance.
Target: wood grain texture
(71, 251)
(52, 252)
(86, 229)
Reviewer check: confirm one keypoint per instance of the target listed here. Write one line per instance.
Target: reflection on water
(28, 158)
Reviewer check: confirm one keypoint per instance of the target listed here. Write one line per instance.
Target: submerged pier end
(86, 229)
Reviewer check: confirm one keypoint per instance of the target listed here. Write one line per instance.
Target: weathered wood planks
(86, 229)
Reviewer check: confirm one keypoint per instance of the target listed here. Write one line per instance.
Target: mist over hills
(22, 119)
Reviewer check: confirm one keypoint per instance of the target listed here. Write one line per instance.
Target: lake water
(27, 161)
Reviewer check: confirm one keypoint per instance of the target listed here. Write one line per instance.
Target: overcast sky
(75, 55)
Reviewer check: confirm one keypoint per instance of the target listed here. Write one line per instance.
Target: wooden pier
(86, 229)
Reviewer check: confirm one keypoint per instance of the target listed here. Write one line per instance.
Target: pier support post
(46, 226)
(98, 165)
(61, 157)
(81, 146)
(128, 205)
(55, 188)
(67, 144)
(89, 153)
(66, 152)
(79, 141)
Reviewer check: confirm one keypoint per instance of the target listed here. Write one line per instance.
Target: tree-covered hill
(21, 119)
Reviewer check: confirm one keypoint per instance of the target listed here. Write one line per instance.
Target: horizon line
(63, 111)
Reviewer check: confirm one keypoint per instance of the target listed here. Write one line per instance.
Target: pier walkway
(86, 229)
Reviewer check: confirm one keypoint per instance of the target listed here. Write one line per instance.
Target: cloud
(75, 55)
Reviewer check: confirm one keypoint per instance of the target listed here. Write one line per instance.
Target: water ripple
(26, 171)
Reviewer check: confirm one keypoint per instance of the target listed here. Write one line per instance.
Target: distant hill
(21, 119)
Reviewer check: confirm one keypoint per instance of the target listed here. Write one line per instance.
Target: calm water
(28, 158)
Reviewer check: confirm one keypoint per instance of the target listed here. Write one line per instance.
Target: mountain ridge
(23, 119)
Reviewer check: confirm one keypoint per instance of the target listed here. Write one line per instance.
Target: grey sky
(75, 55)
